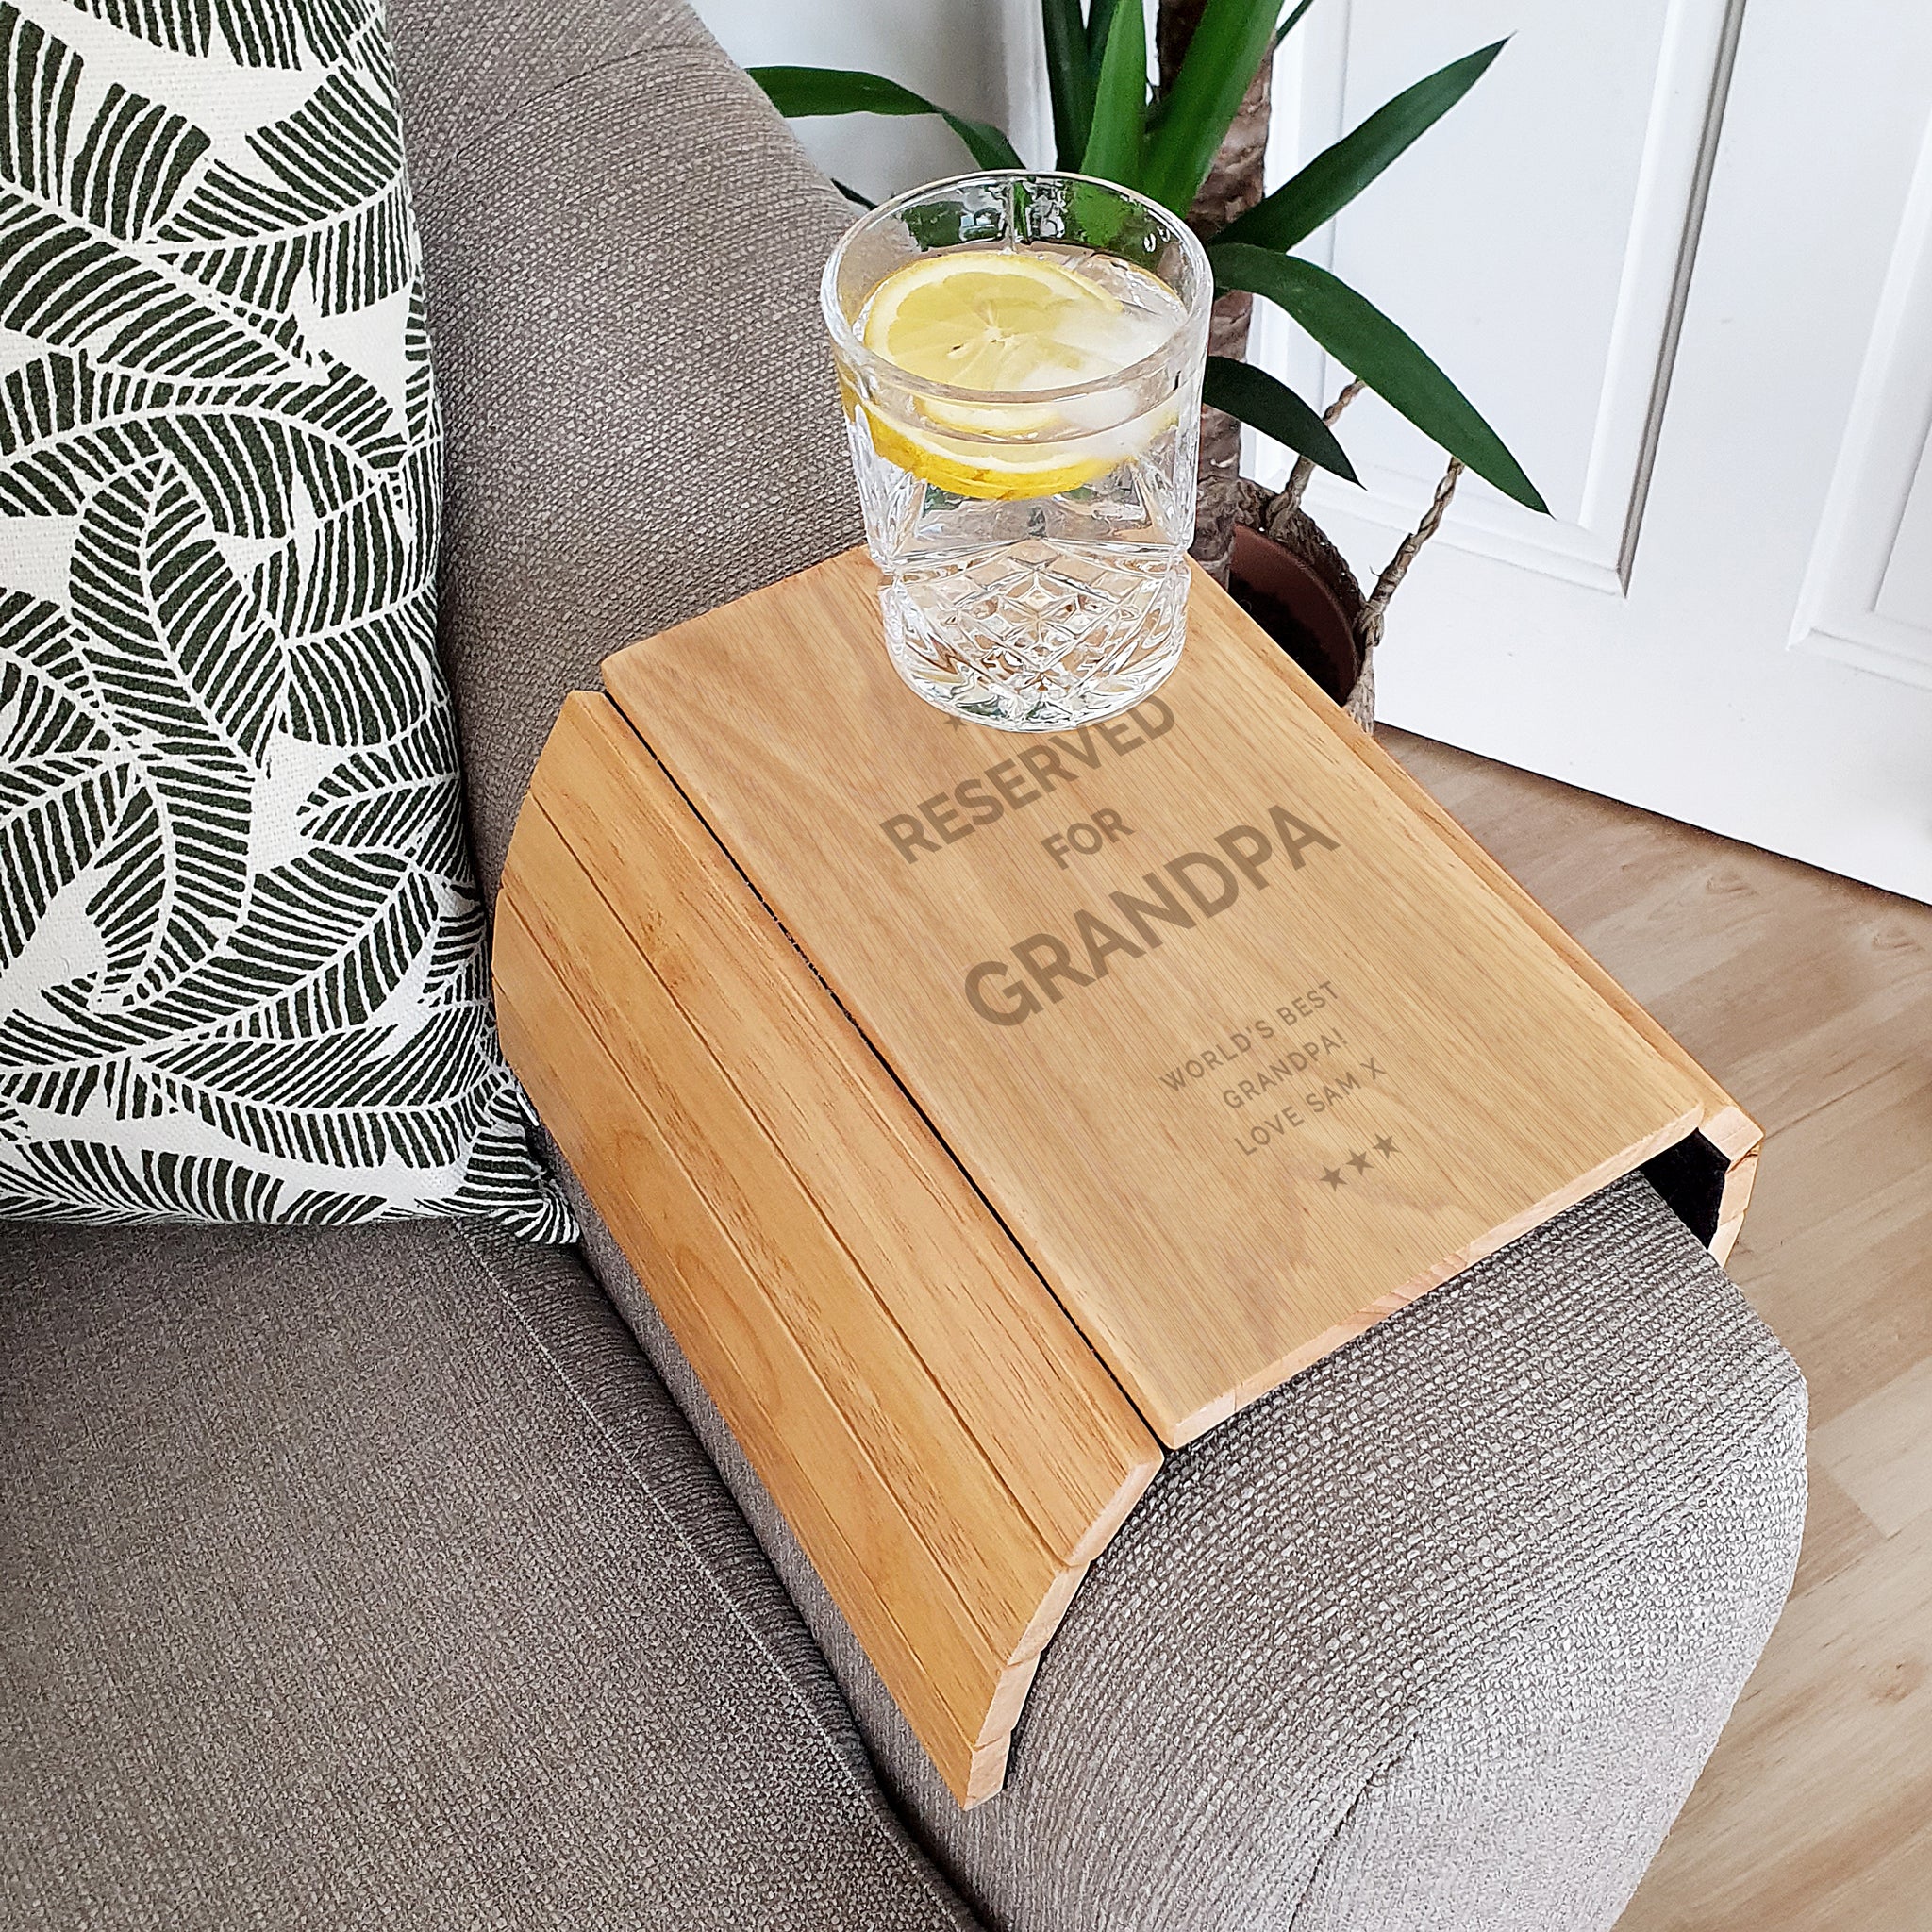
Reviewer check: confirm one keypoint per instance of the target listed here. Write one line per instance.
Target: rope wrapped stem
(1281, 517)
(1282, 520)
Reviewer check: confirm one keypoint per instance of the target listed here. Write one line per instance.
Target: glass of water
(1020, 358)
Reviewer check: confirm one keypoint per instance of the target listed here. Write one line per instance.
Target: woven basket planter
(1296, 585)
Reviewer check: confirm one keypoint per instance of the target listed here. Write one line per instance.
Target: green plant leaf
(1070, 78)
(1339, 173)
(1270, 406)
(1099, 22)
(1230, 44)
(1120, 100)
(1293, 21)
(800, 94)
(1367, 343)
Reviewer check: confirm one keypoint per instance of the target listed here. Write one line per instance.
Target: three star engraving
(1358, 1160)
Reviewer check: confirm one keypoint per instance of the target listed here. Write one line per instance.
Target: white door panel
(1696, 299)
(1868, 593)
(1532, 242)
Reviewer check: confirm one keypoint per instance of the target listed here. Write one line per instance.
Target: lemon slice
(975, 468)
(999, 320)
(1012, 322)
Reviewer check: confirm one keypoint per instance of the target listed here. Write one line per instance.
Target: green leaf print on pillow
(242, 959)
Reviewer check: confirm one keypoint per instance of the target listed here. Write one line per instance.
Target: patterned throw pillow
(242, 969)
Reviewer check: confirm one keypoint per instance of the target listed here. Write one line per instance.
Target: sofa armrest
(1437, 1635)
(621, 244)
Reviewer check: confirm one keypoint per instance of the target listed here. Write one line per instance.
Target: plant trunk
(1233, 186)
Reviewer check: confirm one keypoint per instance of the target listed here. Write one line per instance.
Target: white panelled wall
(979, 57)
(1680, 253)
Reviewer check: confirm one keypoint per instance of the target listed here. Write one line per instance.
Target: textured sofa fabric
(618, 228)
(369, 1578)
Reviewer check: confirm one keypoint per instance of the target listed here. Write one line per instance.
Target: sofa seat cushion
(368, 1577)
(242, 954)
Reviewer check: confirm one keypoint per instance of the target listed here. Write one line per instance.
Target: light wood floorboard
(1810, 998)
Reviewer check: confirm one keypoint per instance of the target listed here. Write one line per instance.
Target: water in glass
(1023, 411)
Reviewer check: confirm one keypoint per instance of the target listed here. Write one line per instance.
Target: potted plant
(1192, 138)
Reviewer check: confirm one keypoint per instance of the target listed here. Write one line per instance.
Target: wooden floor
(1811, 1000)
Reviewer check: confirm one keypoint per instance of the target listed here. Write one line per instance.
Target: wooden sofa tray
(988, 1110)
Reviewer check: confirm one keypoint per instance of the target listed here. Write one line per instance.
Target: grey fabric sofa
(404, 1576)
